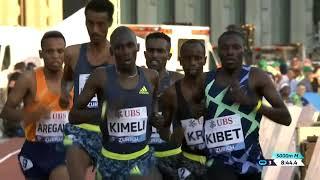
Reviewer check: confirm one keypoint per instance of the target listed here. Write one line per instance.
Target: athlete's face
(192, 59)
(124, 47)
(231, 52)
(53, 53)
(157, 53)
(97, 24)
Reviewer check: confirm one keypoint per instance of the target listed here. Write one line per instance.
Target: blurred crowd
(293, 79)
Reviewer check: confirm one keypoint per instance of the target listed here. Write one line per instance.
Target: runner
(81, 60)
(42, 155)
(185, 102)
(234, 110)
(128, 92)
(157, 54)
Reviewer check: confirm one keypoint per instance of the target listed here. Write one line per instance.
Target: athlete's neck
(97, 47)
(162, 73)
(52, 75)
(231, 72)
(192, 81)
(129, 73)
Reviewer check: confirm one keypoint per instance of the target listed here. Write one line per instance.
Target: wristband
(258, 105)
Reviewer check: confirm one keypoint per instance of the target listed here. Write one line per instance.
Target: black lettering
(134, 127)
(40, 128)
(190, 136)
(227, 134)
(125, 127)
(237, 132)
(138, 112)
(49, 128)
(199, 134)
(112, 127)
(44, 129)
(208, 138)
(141, 128)
(220, 136)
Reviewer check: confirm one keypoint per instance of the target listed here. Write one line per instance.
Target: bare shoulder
(176, 76)
(150, 74)
(169, 96)
(71, 54)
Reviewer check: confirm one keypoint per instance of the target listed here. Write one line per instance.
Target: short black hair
(192, 41)
(231, 33)
(100, 6)
(52, 34)
(159, 35)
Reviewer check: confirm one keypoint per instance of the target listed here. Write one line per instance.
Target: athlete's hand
(64, 100)
(239, 94)
(41, 112)
(177, 136)
(157, 120)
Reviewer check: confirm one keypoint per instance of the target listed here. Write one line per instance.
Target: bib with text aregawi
(193, 133)
(129, 127)
(224, 134)
(82, 81)
(51, 130)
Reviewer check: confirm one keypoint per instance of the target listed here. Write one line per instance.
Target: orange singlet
(48, 130)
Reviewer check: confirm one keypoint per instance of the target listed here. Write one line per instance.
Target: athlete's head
(231, 49)
(157, 51)
(192, 57)
(124, 47)
(52, 50)
(98, 19)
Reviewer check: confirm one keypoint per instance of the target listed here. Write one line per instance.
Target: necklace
(131, 76)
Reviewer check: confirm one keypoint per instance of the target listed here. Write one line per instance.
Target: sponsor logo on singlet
(51, 130)
(129, 127)
(224, 134)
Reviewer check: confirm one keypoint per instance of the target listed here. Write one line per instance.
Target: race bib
(224, 134)
(82, 81)
(130, 126)
(52, 129)
(193, 131)
(155, 136)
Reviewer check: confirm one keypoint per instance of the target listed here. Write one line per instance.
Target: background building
(275, 21)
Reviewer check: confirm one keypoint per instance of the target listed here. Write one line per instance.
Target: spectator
(297, 97)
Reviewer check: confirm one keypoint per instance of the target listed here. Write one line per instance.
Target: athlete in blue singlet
(128, 93)
(157, 54)
(85, 139)
(234, 110)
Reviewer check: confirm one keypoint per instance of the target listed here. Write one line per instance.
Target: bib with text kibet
(52, 129)
(129, 127)
(224, 134)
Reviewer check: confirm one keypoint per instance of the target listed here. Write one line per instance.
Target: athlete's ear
(169, 56)
(40, 54)
(111, 51)
(204, 60)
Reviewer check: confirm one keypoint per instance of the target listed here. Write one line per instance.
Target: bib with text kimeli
(52, 129)
(224, 134)
(82, 81)
(193, 133)
(129, 127)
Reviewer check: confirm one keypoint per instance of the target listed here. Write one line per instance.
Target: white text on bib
(82, 81)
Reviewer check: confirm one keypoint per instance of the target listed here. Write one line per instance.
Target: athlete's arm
(80, 113)
(20, 91)
(169, 106)
(67, 79)
(278, 111)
